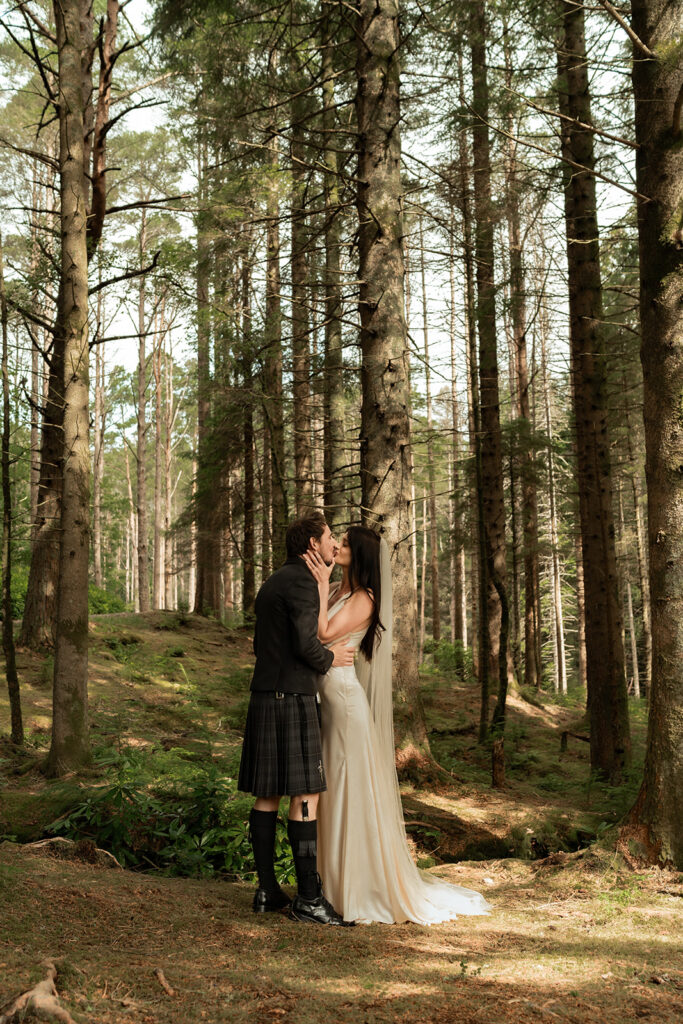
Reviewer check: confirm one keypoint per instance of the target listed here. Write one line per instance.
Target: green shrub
(101, 602)
(453, 658)
(166, 813)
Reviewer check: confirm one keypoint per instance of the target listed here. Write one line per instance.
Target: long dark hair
(364, 572)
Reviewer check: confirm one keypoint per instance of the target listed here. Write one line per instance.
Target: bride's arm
(355, 614)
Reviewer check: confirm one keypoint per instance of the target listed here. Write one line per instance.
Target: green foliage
(101, 602)
(454, 658)
(162, 811)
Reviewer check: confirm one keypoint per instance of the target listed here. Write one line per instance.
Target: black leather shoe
(267, 902)
(317, 911)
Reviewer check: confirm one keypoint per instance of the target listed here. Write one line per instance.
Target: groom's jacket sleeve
(304, 604)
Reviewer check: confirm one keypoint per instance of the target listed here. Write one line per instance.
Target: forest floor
(575, 934)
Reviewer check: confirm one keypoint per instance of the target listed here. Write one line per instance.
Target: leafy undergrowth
(573, 936)
(583, 940)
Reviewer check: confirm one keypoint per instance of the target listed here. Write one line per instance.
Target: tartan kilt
(281, 753)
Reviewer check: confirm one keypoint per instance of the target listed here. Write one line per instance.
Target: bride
(364, 859)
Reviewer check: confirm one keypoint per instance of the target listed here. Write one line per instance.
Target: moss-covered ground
(575, 935)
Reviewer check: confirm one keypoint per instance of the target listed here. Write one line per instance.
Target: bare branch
(140, 272)
(620, 20)
(40, 25)
(33, 153)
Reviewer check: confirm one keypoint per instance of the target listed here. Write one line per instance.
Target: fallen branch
(161, 978)
(577, 736)
(42, 1000)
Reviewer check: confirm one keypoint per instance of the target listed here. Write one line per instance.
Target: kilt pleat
(281, 753)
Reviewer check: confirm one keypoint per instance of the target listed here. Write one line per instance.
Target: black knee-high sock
(262, 835)
(303, 835)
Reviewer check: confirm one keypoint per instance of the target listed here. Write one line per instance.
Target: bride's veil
(428, 897)
(375, 677)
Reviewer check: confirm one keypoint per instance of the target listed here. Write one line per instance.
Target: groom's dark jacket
(289, 656)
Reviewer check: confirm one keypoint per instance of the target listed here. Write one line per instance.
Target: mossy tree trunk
(658, 92)
(70, 746)
(386, 466)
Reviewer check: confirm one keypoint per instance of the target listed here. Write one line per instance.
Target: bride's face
(343, 556)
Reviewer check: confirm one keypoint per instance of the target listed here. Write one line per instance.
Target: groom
(281, 754)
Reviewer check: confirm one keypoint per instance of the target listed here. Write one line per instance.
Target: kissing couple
(320, 731)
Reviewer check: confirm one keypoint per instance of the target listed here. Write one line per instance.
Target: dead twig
(161, 978)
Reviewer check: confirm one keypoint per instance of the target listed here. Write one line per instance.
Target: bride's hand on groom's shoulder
(320, 570)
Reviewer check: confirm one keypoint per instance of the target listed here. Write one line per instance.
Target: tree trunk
(609, 725)
(431, 472)
(301, 354)
(248, 536)
(132, 517)
(458, 615)
(659, 176)
(16, 722)
(333, 380)
(386, 466)
(532, 608)
(266, 505)
(555, 576)
(491, 451)
(169, 421)
(70, 746)
(207, 556)
(643, 577)
(37, 626)
(141, 450)
(98, 446)
(629, 600)
(158, 587)
(423, 580)
(272, 370)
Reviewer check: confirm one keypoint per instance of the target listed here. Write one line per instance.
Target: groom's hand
(343, 655)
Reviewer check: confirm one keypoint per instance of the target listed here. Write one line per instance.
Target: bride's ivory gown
(366, 867)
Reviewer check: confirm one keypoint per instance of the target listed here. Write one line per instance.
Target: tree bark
(170, 411)
(333, 381)
(98, 447)
(37, 628)
(659, 175)
(458, 614)
(491, 450)
(159, 546)
(141, 449)
(249, 533)
(301, 354)
(272, 370)
(16, 722)
(70, 746)
(609, 725)
(207, 555)
(555, 576)
(386, 466)
(431, 472)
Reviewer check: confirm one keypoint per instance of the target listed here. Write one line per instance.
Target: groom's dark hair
(300, 531)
